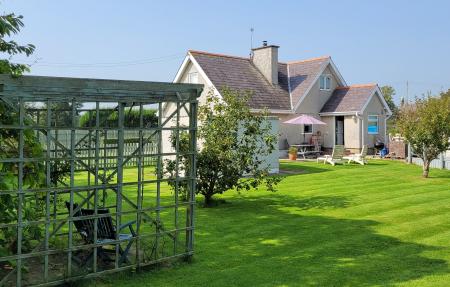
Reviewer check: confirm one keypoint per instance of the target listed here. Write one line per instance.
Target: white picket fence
(108, 148)
(442, 162)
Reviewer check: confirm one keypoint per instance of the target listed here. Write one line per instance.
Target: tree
(110, 118)
(426, 126)
(62, 113)
(389, 93)
(10, 24)
(234, 143)
(33, 175)
(446, 94)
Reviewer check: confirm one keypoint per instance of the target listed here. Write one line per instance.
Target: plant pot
(292, 156)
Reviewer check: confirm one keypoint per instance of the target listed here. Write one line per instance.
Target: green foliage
(33, 177)
(445, 95)
(10, 24)
(110, 118)
(426, 126)
(61, 113)
(33, 172)
(388, 93)
(292, 150)
(234, 143)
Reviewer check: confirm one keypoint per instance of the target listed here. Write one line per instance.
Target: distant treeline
(109, 118)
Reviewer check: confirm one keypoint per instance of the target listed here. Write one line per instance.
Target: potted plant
(293, 153)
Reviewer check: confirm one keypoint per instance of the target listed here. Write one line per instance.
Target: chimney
(265, 58)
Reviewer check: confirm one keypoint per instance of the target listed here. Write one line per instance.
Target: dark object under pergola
(98, 177)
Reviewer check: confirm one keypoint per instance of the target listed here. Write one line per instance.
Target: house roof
(239, 73)
(349, 99)
(295, 79)
(302, 74)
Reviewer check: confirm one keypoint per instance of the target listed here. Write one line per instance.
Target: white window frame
(326, 79)
(372, 121)
(305, 133)
(190, 76)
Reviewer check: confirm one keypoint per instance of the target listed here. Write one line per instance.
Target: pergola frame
(17, 93)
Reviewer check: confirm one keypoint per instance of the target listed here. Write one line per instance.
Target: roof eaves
(338, 113)
(217, 55)
(357, 86)
(308, 60)
(289, 87)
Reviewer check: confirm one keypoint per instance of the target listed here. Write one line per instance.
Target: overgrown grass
(375, 225)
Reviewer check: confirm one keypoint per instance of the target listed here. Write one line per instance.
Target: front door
(339, 126)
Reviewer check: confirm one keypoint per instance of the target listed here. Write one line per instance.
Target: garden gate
(64, 213)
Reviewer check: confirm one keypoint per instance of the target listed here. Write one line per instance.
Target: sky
(386, 42)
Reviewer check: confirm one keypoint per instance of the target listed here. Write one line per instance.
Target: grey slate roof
(348, 99)
(240, 74)
(302, 75)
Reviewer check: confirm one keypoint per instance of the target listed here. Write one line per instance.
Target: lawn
(351, 225)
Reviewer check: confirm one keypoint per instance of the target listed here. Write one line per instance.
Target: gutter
(273, 111)
(359, 116)
(388, 116)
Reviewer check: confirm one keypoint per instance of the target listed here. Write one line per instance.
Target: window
(372, 127)
(193, 78)
(325, 82)
(307, 129)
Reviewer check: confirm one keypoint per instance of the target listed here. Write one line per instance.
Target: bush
(33, 177)
(109, 118)
(235, 142)
(292, 150)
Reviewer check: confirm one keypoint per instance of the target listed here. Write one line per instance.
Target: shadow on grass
(288, 169)
(438, 174)
(267, 243)
(314, 202)
(276, 241)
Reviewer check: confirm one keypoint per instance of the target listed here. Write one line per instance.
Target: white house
(355, 114)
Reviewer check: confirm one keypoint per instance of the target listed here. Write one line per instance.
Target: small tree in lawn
(234, 143)
(426, 126)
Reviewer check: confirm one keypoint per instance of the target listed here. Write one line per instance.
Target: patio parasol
(304, 120)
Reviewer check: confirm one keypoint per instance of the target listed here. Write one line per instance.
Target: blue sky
(388, 42)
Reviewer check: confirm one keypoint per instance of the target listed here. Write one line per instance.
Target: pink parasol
(304, 120)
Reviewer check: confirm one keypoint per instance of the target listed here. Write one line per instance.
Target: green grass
(375, 225)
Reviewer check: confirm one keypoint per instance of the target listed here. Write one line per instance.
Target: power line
(105, 64)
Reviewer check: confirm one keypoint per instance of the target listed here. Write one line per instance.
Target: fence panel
(108, 147)
(436, 163)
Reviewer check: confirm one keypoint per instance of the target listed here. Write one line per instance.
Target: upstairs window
(372, 126)
(193, 78)
(325, 82)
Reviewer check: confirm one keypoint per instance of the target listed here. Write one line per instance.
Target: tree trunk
(426, 168)
(426, 162)
(208, 199)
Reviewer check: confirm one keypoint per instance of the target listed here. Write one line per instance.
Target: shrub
(110, 118)
(293, 150)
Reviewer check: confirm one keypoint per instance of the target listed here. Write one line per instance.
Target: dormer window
(325, 82)
(193, 78)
